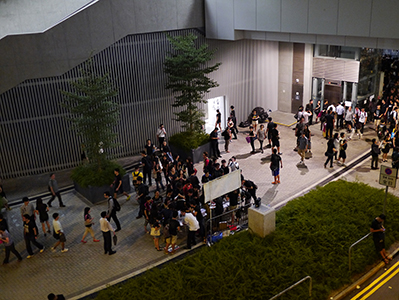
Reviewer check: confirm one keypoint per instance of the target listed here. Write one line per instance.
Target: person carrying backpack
(113, 207)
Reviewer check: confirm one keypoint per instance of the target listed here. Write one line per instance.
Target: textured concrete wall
(71, 42)
(354, 23)
(285, 67)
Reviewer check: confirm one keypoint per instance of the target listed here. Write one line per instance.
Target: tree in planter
(94, 115)
(188, 72)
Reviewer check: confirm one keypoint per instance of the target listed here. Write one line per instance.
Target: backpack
(117, 206)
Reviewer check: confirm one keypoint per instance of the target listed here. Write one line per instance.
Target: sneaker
(280, 153)
(83, 241)
(94, 240)
(52, 249)
(42, 250)
(29, 256)
(64, 250)
(128, 198)
(62, 205)
(112, 252)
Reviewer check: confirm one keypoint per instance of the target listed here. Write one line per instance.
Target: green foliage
(188, 72)
(96, 175)
(93, 112)
(187, 141)
(312, 237)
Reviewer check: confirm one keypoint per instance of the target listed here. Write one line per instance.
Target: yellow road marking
(376, 281)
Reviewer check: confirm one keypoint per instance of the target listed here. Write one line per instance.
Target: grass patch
(312, 237)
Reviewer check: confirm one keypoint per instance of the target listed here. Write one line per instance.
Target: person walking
(309, 108)
(215, 143)
(106, 229)
(349, 122)
(88, 225)
(112, 209)
(302, 147)
(255, 119)
(375, 151)
(234, 119)
(218, 120)
(59, 234)
(275, 163)
(362, 121)
(9, 245)
(118, 186)
(53, 188)
(330, 153)
(329, 124)
(261, 136)
(30, 235)
(252, 138)
(227, 138)
(161, 134)
(42, 210)
(378, 230)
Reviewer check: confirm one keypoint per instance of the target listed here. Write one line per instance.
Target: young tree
(94, 114)
(188, 72)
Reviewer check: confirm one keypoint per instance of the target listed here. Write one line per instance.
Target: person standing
(227, 138)
(161, 134)
(88, 225)
(261, 136)
(302, 147)
(118, 186)
(377, 117)
(59, 233)
(329, 124)
(340, 116)
(298, 130)
(141, 194)
(234, 119)
(276, 138)
(146, 163)
(9, 245)
(275, 163)
(375, 151)
(111, 213)
(218, 120)
(343, 144)
(106, 229)
(158, 176)
(255, 119)
(378, 231)
(330, 153)
(28, 209)
(42, 209)
(317, 110)
(252, 137)
(269, 128)
(30, 235)
(233, 164)
(174, 226)
(215, 143)
(193, 226)
(309, 109)
(53, 187)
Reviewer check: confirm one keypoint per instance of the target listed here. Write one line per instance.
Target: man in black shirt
(225, 167)
(269, 129)
(174, 226)
(118, 186)
(215, 143)
(146, 163)
(329, 124)
(309, 108)
(30, 235)
(218, 172)
(378, 231)
(233, 200)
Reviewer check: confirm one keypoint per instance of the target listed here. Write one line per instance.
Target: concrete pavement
(84, 268)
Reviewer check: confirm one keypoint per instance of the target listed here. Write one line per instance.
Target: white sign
(388, 176)
(222, 185)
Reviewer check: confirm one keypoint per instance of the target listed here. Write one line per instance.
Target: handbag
(155, 232)
(248, 138)
(115, 239)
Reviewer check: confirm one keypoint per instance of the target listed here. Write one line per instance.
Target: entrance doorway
(210, 113)
(333, 93)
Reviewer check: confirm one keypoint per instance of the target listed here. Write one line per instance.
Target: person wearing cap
(378, 231)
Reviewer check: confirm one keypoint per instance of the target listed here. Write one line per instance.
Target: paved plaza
(85, 268)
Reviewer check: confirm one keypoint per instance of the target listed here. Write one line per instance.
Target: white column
(345, 90)
(354, 94)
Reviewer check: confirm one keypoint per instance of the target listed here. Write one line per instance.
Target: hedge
(312, 237)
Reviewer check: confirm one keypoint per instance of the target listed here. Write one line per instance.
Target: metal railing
(350, 248)
(242, 219)
(294, 285)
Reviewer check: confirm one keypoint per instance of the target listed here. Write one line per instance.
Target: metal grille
(336, 69)
(36, 137)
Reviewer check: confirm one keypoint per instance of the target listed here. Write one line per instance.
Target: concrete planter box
(195, 154)
(95, 194)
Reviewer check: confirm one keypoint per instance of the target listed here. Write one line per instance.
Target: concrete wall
(285, 67)
(71, 42)
(27, 16)
(355, 23)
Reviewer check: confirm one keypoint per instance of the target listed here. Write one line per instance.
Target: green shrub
(93, 175)
(189, 140)
(312, 237)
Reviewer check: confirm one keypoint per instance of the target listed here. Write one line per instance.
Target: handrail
(294, 285)
(350, 248)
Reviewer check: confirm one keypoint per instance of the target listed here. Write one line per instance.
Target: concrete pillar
(323, 81)
(345, 90)
(262, 220)
(314, 90)
(354, 94)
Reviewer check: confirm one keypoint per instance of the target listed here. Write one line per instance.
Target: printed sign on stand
(388, 176)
